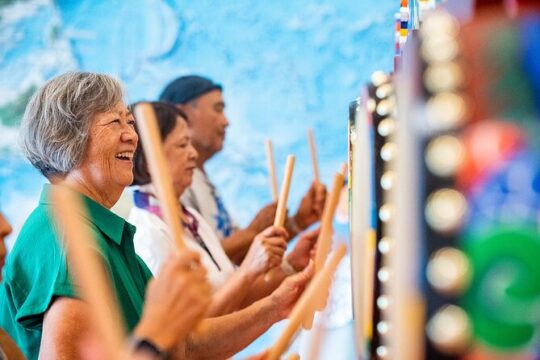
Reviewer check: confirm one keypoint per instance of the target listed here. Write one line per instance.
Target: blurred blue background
(285, 66)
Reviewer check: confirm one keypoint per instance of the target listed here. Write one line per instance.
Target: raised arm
(265, 253)
(226, 335)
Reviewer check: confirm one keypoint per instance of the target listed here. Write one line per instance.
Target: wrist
(245, 276)
(287, 266)
(272, 306)
(293, 226)
(156, 336)
(148, 348)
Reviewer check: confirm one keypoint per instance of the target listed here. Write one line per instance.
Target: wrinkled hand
(311, 206)
(178, 298)
(264, 218)
(265, 252)
(304, 250)
(286, 295)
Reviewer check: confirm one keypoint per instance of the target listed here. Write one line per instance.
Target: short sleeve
(38, 280)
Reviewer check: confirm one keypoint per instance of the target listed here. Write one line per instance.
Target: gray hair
(56, 123)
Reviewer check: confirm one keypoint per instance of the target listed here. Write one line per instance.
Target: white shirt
(153, 243)
(203, 197)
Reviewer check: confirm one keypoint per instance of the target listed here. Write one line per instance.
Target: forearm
(237, 244)
(226, 335)
(230, 297)
(264, 285)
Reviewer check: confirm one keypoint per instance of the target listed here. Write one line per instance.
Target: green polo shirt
(36, 271)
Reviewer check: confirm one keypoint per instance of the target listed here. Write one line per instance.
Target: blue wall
(285, 66)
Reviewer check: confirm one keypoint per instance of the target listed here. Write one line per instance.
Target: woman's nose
(130, 135)
(194, 155)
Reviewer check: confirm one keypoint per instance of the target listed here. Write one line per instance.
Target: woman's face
(108, 163)
(5, 230)
(180, 155)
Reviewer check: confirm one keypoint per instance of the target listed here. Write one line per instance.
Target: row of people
(78, 132)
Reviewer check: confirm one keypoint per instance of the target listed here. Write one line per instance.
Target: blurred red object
(489, 145)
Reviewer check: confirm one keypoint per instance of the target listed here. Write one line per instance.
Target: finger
(273, 262)
(313, 187)
(274, 231)
(312, 235)
(275, 251)
(320, 195)
(307, 273)
(276, 241)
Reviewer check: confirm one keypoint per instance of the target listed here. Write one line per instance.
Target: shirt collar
(105, 220)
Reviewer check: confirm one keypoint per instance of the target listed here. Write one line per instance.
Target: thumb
(305, 275)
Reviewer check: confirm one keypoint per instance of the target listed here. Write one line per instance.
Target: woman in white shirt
(233, 288)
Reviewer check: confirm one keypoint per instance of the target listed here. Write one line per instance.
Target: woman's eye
(131, 122)
(115, 121)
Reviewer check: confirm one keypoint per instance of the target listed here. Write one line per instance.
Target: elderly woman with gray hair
(78, 132)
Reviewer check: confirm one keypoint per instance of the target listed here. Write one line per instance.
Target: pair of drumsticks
(95, 284)
(314, 297)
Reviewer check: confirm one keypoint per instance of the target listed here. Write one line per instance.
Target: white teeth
(125, 155)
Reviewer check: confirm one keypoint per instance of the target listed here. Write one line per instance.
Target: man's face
(208, 122)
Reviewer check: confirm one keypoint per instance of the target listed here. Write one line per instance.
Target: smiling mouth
(125, 156)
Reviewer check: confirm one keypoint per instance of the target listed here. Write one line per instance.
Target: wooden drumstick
(315, 341)
(324, 241)
(313, 151)
(281, 211)
(314, 290)
(157, 166)
(271, 170)
(90, 276)
(293, 356)
(161, 178)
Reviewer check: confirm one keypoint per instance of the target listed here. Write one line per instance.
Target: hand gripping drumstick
(91, 277)
(281, 211)
(317, 287)
(313, 151)
(324, 241)
(271, 170)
